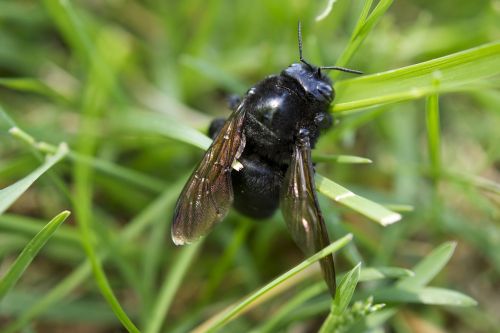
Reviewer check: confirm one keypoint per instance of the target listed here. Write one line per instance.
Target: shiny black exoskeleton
(278, 108)
(271, 132)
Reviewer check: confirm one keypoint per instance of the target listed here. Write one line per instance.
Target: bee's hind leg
(217, 124)
(215, 127)
(233, 101)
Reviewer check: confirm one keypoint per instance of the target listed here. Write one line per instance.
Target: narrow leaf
(456, 71)
(232, 312)
(427, 295)
(377, 273)
(29, 252)
(343, 196)
(11, 193)
(346, 290)
(342, 299)
(429, 267)
(341, 159)
(170, 287)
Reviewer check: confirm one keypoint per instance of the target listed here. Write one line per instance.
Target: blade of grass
(112, 169)
(346, 289)
(362, 29)
(473, 180)
(363, 206)
(100, 84)
(457, 70)
(33, 86)
(30, 227)
(341, 159)
(433, 131)
(426, 295)
(11, 193)
(342, 298)
(376, 273)
(325, 11)
(83, 271)
(224, 317)
(29, 253)
(429, 267)
(271, 324)
(170, 287)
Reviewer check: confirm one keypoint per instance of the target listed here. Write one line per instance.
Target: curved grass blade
(34, 86)
(341, 159)
(343, 196)
(84, 270)
(363, 27)
(429, 267)
(225, 316)
(416, 81)
(11, 193)
(170, 287)
(29, 252)
(342, 298)
(427, 295)
(377, 273)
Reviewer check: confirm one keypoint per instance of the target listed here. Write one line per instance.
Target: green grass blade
(377, 273)
(11, 193)
(82, 272)
(224, 317)
(170, 287)
(208, 69)
(30, 226)
(429, 267)
(350, 159)
(33, 86)
(112, 169)
(427, 295)
(277, 317)
(29, 252)
(456, 70)
(345, 290)
(363, 27)
(473, 180)
(167, 126)
(324, 13)
(433, 131)
(363, 206)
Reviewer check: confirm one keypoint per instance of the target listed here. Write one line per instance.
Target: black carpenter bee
(271, 132)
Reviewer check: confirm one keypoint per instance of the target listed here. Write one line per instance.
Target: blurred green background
(128, 85)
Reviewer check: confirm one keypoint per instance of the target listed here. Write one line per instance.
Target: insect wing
(300, 209)
(208, 194)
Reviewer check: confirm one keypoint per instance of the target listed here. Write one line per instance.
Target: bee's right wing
(208, 194)
(300, 209)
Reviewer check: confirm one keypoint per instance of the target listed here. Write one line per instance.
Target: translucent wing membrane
(208, 194)
(300, 209)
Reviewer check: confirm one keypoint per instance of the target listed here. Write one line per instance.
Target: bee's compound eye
(325, 90)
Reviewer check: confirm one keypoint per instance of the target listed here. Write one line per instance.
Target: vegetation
(103, 109)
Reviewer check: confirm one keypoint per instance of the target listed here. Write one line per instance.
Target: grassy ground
(103, 106)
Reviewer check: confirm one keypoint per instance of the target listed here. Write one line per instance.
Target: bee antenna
(342, 69)
(302, 60)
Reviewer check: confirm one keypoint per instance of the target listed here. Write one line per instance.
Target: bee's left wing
(208, 194)
(300, 209)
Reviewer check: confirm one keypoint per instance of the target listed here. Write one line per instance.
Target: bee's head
(314, 82)
(312, 78)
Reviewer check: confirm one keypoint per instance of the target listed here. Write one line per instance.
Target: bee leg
(233, 101)
(215, 127)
